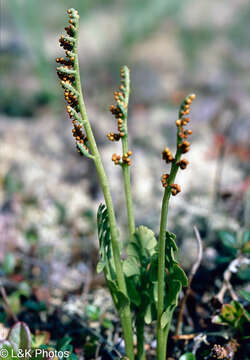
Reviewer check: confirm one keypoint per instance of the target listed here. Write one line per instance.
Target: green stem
(165, 335)
(161, 341)
(128, 195)
(162, 334)
(125, 313)
(139, 324)
(125, 167)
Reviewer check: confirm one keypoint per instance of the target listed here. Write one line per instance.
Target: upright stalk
(125, 312)
(161, 344)
(162, 334)
(129, 202)
(170, 188)
(125, 166)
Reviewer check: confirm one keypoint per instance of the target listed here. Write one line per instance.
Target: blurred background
(49, 194)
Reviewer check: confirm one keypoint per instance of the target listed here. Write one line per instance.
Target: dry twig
(231, 269)
(184, 337)
(7, 304)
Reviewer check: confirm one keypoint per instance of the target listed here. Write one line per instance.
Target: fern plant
(146, 285)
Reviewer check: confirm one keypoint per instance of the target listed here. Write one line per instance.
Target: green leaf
(175, 279)
(179, 274)
(245, 236)
(165, 318)
(153, 270)
(15, 302)
(234, 314)
(187, 356)
(123, 300)
(24, 289)
(9, 263)
(155, 291)
(32, 235)
(148, 315)
(20, 336)
(120, 299)
(171, 249)
(141, 255)
(225, 259)
(100, 266)
(105, 252)
(107, 324)
(174, 288)
(228, 312)
(63, 342)
(40, 338)
(228, 239)
(244, 274)
(131, 267)
(246, 248)
(143, 244)
(245, 294)
(132, 288)
(35, 305)
(170, 238)
(93, 312)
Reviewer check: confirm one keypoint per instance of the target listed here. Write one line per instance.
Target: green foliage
(120, 298)
(15, 302)
(245, 294)
(233, 315)
(244, 274)
(9, 263)
(14, 297)
(141, 272)
(187, 356)
(20, 340)
(39, 339)
(245, 241)
(37, 306)
(105, 252)
(64, 342)
(20, 337)
(93, 312)
(141, 248)
(175, 279)
(234, 243)
(63, 345)
(106, 260)
(31, 235)
(228, 239)
(140, 269)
